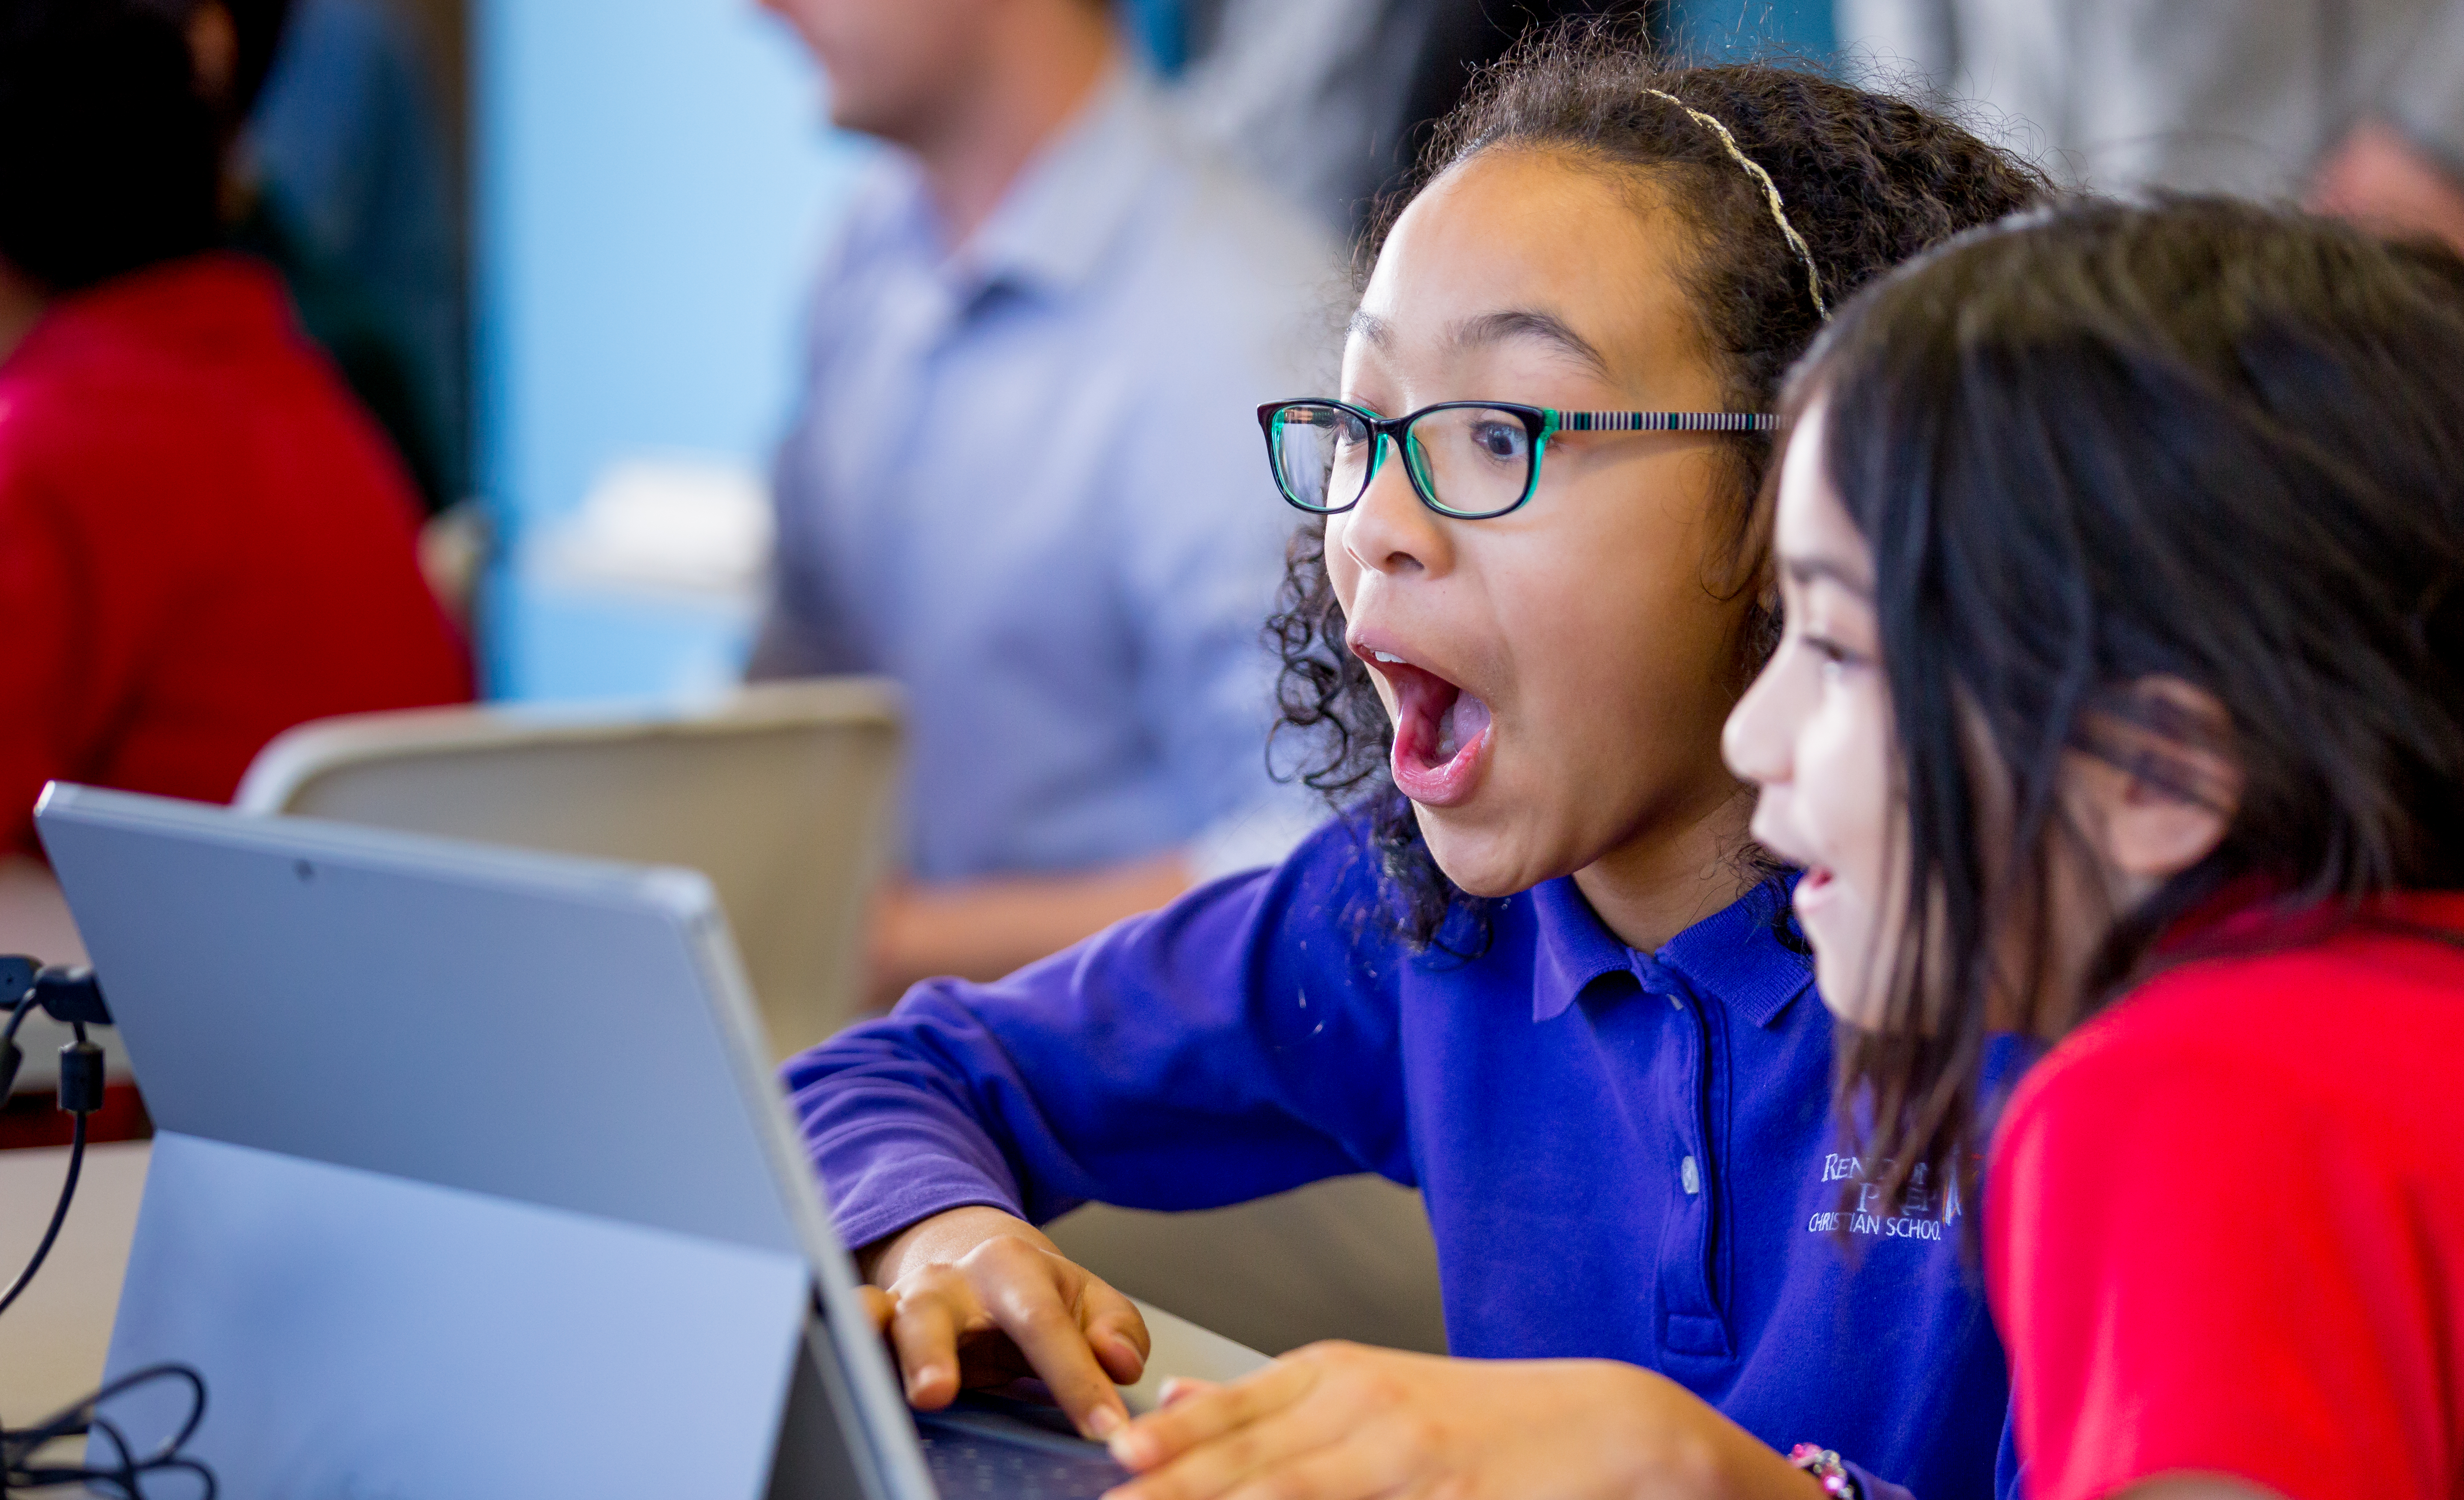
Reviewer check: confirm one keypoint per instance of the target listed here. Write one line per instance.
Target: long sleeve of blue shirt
(1140, 1068)
(1624, 1156)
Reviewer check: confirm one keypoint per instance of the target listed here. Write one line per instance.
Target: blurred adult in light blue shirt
(1025, 480)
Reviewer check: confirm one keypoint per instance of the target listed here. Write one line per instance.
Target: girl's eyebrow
(1803, 571)
(1528, 323)
(1492, 328)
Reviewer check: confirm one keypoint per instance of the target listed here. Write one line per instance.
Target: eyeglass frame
(1539, 424)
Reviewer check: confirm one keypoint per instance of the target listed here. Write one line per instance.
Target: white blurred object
(1898, 46)
(669, 524)
(1183, 1349)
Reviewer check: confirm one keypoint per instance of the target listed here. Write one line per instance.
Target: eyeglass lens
(1470, 460)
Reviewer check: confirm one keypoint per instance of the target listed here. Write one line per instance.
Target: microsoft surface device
(471, 1178)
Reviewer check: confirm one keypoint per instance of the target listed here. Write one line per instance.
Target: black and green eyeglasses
(1468, 459)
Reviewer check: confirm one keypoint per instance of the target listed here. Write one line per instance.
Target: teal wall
(1714, 31)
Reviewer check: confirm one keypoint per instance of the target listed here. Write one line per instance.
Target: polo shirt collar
(1736, 954)
(1574, 949)
(1733, 956)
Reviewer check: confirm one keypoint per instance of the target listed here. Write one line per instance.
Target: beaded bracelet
(1827, 1471)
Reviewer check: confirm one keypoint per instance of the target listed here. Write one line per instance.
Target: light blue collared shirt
(1026, 481)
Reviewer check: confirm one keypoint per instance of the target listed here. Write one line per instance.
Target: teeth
(1390, 656)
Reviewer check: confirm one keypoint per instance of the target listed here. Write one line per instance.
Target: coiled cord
(72, 996)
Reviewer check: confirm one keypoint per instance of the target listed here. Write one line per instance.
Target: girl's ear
(2156, 787)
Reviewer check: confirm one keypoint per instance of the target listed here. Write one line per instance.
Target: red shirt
(2225, 1227)
(203, 542)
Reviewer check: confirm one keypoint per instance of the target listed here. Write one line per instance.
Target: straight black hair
(2203, 441)
(109, 159)
(1868, 180)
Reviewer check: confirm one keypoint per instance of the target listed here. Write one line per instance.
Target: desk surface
(34, 916)
(52, 1341)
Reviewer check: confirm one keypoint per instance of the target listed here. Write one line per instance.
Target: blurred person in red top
(202, 540)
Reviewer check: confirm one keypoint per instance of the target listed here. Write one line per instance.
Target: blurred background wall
(650, 182)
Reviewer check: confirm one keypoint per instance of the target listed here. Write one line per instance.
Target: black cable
(71, 995)
(59, 1216)
(126, 1476)
(25, 1005)
(80, 1091)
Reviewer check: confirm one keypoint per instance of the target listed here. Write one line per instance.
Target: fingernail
(1104, 1423)
(1130, 1447)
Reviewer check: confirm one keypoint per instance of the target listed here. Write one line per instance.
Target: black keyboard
(977, 1449)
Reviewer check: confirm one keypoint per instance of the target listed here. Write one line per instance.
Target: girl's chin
(1851, 990)
(1862, 1012)
(1841, 940)
(1478, 860)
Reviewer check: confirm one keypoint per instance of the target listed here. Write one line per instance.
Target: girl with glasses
(2122, 703)
(1535, 969)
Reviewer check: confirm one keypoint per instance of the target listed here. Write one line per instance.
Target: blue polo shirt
(1624, 1156)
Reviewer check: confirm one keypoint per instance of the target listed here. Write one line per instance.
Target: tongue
(1461, 724)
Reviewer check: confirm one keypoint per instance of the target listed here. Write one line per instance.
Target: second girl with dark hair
(2122, 701)
(1537, 970)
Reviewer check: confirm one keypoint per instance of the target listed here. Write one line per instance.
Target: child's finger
(1158, 1436)
(924, 1330)
(1046, 1332)
(1182, 1387)
(1118, 1333)
(1271, 1454)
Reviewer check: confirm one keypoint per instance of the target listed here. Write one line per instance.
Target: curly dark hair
(1869, 180)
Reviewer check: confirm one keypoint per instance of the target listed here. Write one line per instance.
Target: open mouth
(1441, 731)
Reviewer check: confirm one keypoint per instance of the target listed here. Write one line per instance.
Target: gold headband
(1771, 195)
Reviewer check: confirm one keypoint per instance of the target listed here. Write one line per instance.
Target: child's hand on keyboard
(977, 1298)
(1340, 1422)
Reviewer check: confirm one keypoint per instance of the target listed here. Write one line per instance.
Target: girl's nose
(1757, 741)
(1390, 532)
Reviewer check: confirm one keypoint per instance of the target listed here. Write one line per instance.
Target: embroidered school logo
(1924, 1210)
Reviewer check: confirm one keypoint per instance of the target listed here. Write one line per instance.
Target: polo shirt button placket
(1693, 1326)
